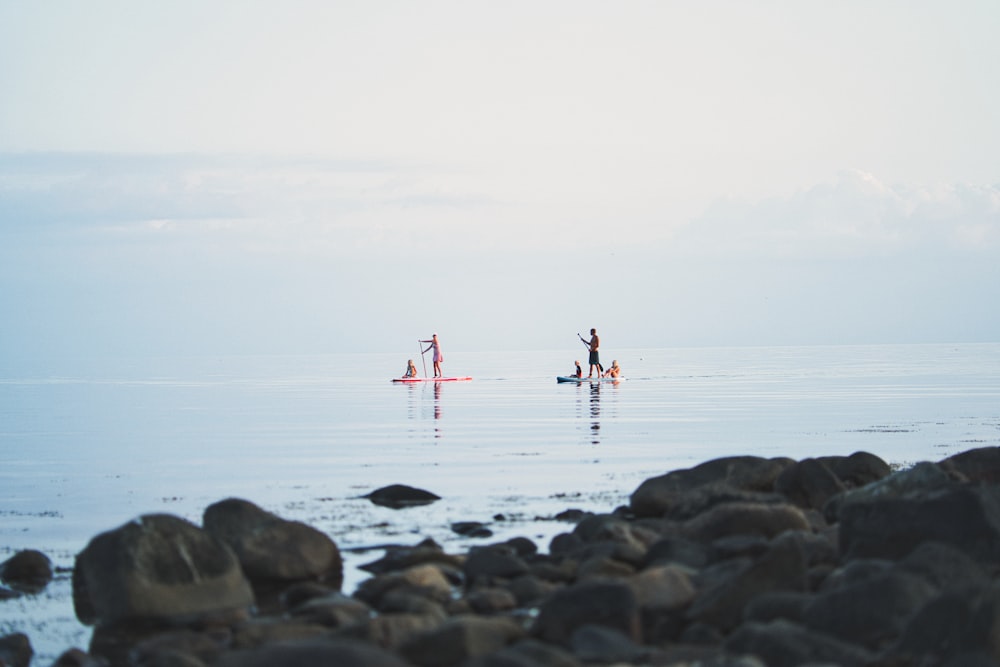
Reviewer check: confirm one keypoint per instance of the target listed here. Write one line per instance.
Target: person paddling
(438, 357)
(593, 345)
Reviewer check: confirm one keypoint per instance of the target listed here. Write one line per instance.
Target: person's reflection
(437, 400)
(595, 413)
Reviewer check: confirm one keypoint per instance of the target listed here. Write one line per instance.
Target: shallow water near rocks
(90, 444)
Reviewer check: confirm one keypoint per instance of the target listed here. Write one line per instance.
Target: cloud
(855, 216)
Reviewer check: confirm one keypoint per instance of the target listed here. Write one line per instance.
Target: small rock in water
(398, 496)
(471, 529)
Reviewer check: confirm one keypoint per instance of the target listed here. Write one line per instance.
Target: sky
(308, 176)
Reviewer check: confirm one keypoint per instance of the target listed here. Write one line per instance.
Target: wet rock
(15, 650)
(424, 580)
(471, 529)
(922, 478)
(808, 483)
(460, 638)
(611, 604)
(400, 496)
(664, 495)
(491, 562)
(858, 469)
(27, 571)
(303, 653)
(785, 644)
(271, 549)
(400, 558)
(157, 567)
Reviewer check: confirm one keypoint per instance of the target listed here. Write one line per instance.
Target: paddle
(420, 347)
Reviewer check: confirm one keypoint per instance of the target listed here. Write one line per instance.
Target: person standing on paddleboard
(438, 357)
(595, 358)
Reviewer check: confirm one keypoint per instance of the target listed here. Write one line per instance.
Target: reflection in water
(417, 394)
(595, 412)
(592, 407)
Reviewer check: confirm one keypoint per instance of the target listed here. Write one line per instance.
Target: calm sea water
(90, 444)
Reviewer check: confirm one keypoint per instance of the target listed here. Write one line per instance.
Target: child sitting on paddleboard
(579, 371)
(411, 369)
(614, 371)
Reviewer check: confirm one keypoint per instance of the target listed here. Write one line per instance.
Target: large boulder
(870, 613)
(157, 567)
(271, 549)
(965, 517)
(980, 466)
(666, 495)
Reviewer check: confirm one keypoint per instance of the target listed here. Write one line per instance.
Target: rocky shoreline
(741, 561)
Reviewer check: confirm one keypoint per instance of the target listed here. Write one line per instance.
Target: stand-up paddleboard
(573, 378)
(448, 379)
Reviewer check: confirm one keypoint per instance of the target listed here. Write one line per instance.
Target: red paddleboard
(412, 380)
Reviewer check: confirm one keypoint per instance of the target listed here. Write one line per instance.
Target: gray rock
(858, 469)
(526, 653)
(313, 652)
(722, 605)
(979, 466)
(400, 496)
(271, 549)
(460, 638)
(808, 483)
(600, 644)
(402, 557)
(785, 644)
(763, 520)
(612, 604)
(967, 518)
(157, 567)
(15, 650)
(493, 561)
(665, 495)
(27, 571)
(870, 613)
